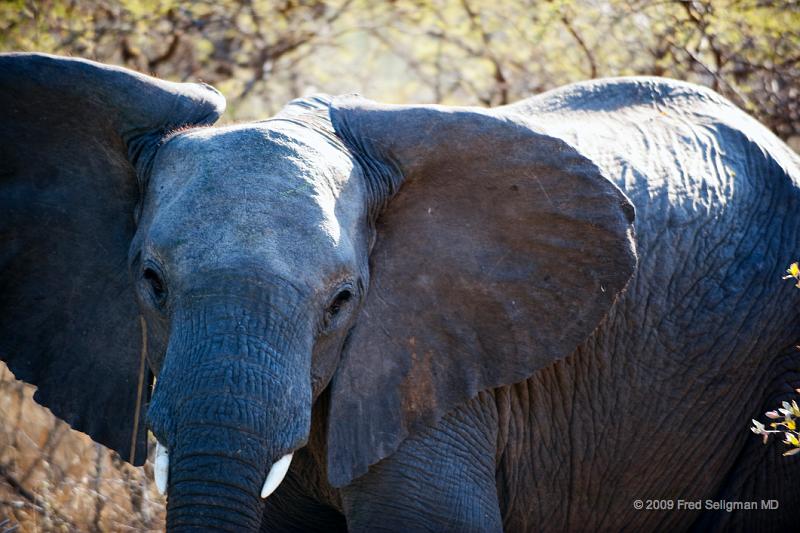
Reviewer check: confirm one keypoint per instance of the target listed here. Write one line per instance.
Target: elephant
(370, 317)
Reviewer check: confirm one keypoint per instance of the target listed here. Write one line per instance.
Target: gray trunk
(233, 396)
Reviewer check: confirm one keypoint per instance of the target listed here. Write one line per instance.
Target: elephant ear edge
(500, 252)
(76, 142)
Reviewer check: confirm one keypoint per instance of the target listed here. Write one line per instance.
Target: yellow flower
(794, 272)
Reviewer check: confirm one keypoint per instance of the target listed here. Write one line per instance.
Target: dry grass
(55, 479)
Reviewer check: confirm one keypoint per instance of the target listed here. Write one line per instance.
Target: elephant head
(401, 258)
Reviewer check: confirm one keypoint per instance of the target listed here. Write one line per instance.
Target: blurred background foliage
(262, 53)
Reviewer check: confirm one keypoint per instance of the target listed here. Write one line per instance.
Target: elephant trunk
(214, 481)
(232, 399)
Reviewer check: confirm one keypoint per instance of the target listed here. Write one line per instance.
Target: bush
(785, 417)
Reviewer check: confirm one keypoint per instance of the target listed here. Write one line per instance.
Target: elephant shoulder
(619, 94)
(655, 131)
(764, 158)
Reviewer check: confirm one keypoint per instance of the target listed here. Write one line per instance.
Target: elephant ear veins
(73, 134)
(501, 251)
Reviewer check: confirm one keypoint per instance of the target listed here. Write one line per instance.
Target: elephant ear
(73, 135)
(500, 252)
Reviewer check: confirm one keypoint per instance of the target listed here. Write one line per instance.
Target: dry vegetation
(55, 479)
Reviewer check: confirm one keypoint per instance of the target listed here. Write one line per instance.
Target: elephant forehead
(253, 192)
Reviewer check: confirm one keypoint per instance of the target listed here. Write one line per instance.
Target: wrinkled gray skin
(450, 315)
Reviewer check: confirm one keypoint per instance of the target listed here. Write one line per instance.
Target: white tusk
(161, 468)
(276, 475)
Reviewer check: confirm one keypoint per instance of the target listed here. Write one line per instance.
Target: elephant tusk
(161, 468)
(276, 475)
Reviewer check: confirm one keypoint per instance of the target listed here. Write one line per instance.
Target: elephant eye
(338, 303)
(157, 287)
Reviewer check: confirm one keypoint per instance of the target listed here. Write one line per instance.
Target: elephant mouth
(275, 475)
